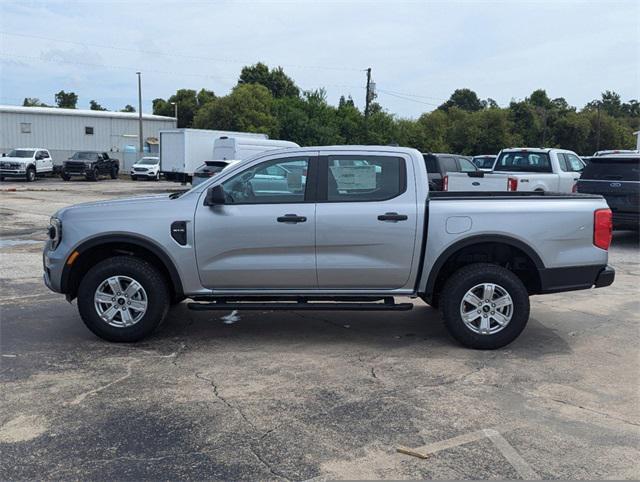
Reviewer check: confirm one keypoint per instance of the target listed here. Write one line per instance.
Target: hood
(114, 207)
(146, 166)
(16, 159)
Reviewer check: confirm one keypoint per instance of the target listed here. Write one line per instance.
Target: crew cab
(617, 178)
(90, 165)
(27, 163)
(525, 169)
(357, 231)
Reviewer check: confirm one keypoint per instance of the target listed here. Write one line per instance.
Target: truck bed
(461, 195)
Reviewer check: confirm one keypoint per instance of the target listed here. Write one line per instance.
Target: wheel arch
(97, 249)
(503, 250)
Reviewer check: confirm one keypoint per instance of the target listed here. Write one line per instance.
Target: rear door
(570, 169)
(366, 221)
(263, 237)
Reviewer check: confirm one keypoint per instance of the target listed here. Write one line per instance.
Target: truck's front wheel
(485, 306)
(123, 299)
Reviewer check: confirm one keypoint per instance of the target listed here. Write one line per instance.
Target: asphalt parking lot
(297, 396)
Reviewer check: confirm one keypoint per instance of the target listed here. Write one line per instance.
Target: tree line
(69, 100)
(268, 101)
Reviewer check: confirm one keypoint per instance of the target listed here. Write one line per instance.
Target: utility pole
(368, 97)
(598, 131)
(140, 138)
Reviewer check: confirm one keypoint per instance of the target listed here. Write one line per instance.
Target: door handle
(291, 218)
(392, 217)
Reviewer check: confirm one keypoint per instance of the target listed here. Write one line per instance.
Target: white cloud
(502, 50)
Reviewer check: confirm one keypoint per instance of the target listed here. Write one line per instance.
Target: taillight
(602, 228)
(445, 183)
(575, 187)
(512, 184)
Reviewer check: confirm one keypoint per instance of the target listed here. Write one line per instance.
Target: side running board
(388, 305)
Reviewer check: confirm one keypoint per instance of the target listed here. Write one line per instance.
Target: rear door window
(466, 165)
(574, 163)
(364, 178)
(449, 164)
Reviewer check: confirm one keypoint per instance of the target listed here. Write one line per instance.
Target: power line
(121, 67)
(407, 98)
(179, 55)
(406, 94)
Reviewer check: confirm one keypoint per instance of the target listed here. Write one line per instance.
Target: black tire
(30, 175)
(156, 177)
(154, 284)
(114, 173)
(65, 176)
(464, 280)
(93, 175)
(1, 179)
(134, 178)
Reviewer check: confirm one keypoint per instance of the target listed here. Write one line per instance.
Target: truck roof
(343, 148)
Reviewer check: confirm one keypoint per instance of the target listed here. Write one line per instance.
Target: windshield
(613, 169)
(484, 162)
(21, 153)
(85, 155)
(523, 161)
(149, 161)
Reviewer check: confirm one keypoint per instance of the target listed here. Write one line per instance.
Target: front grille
(140, 169)
(9, 165)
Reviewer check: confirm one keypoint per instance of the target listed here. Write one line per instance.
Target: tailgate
(620, 195)
(475, 181)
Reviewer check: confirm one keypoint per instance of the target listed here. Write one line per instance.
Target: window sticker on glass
(354, 177)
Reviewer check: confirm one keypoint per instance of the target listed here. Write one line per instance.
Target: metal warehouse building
(64, 131)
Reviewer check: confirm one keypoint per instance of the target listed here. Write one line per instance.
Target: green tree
(66, 100)
(278, 83)
(128, 108)
(464, 99)
(33, 102)
(93, 105)
(247, 108)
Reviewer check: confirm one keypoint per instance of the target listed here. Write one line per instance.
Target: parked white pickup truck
(27, 163)
(525, 169)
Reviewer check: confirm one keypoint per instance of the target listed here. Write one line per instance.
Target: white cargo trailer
(240, 148)
(182, 151)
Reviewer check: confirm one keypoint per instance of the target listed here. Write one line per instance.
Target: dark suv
(91, 165)
(438, 165)
(617, 178)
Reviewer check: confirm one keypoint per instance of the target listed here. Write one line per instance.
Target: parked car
(210, 169)
(615, 151)
(27, 163)
(350, 237)
(91, 165)
(617, 178)
(146, 168)
(438, 165)
(484, 162)
(526, 169)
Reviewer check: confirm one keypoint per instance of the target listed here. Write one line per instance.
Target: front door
(366, 220)
(263, 237)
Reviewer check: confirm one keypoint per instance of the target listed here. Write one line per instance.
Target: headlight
(55, 232)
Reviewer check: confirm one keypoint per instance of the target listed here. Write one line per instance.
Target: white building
(64, 131)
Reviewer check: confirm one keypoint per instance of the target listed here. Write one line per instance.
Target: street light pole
(175, 112)
(140, 138)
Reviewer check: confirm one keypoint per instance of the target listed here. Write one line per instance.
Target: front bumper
(12, 173)
(53, 265)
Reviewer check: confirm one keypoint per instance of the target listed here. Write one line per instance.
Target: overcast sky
(419, 51)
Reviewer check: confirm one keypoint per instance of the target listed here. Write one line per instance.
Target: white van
(226, 148)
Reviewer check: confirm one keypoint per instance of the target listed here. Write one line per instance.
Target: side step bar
(388, 305)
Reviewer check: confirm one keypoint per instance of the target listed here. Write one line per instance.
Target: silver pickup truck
(339, 228)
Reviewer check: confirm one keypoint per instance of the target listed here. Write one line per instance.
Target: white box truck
(227, 148)
(182, 151)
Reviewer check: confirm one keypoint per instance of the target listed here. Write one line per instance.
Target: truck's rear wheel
(485, 306)
(123, 299)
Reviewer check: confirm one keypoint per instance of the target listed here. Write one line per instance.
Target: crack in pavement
(581, 407)
(250, 446)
